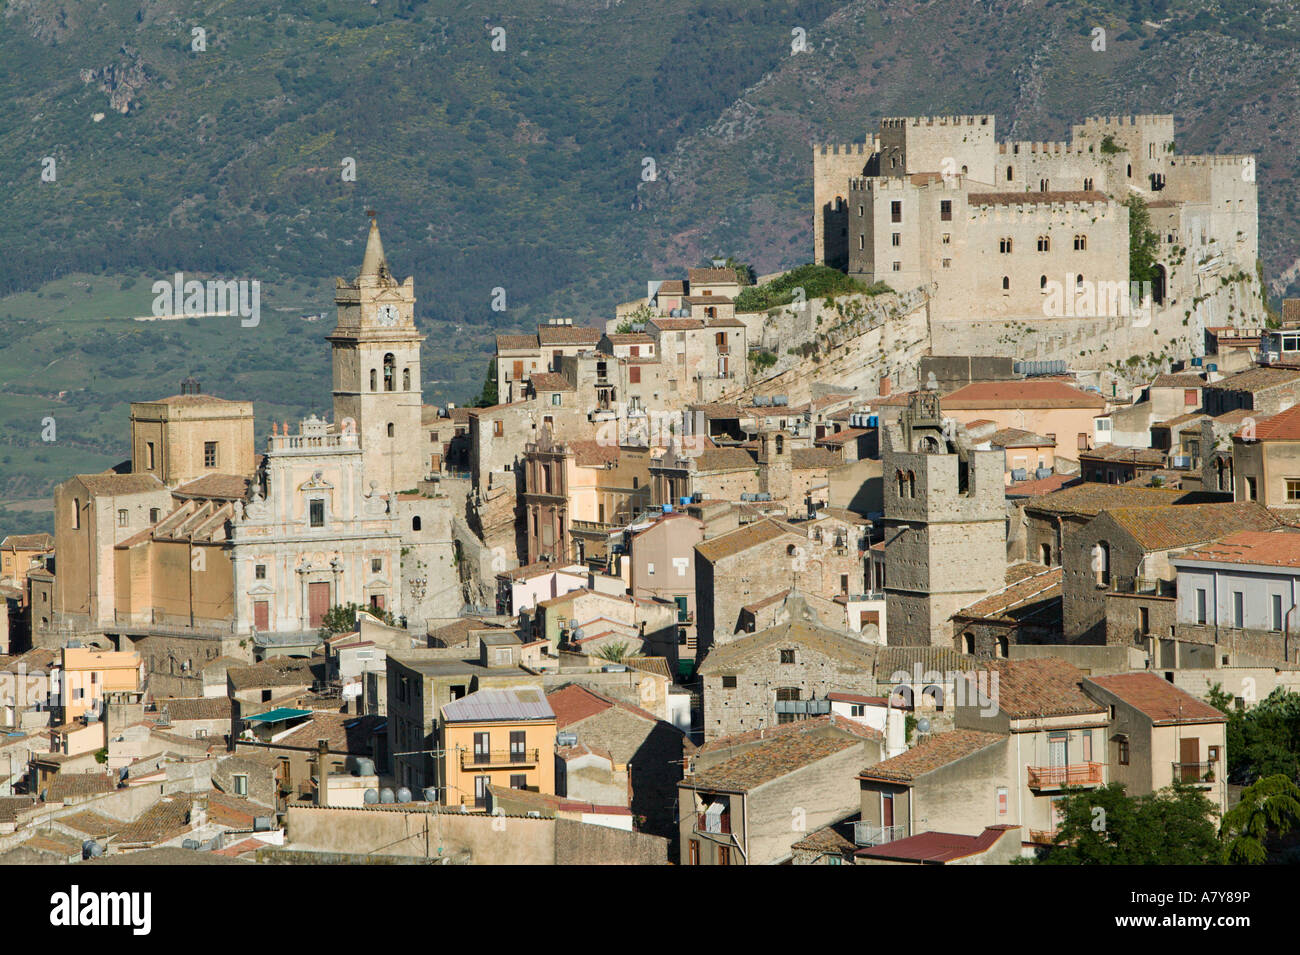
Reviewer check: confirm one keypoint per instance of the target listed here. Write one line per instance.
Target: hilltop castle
(995, 228)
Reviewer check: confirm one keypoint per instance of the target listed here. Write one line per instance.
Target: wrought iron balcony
(1201, 774)
(470, 759)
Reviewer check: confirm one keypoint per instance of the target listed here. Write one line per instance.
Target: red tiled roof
(1020, 394)
(925, 757)
(1284, 426)
(1279, 548)
(1159, 700)
(712, 276)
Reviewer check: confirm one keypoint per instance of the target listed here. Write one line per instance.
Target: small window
(1002, 800)
(498, 428)
(787, 656)
(896, 211)
(259, 571)
(728, 682)
(122, 517)
(1277, 613)
(1080, 243)
(896, 238)
(241, 784)
(1293, 489)
(947, 238)
(209, 454)
(154, 515)
(376, 565)
(945, 210)
(556, 399)
(149, 458)
(1123, 752)
(1005, 245)
(390, 429)
(318, 512)
(1044, 243)
(1006, 283)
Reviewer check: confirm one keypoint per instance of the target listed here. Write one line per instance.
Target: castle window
(498, 428)
(209, 454)
(1004, 245)
(947, 238)
(1080, 243)
(259, 571)
(1078, 283)
(898, 266)
(122, 517)
(780, 444)
(947, 263)
(1010, 174)
(895, 211)
(1042, 282)
(1006, 283)
(406, 379)
(896, 238)
(911, 484)
(1101, 563)
(1130, 170)
(376, 565)
(388, 371)
(862, 241)
(1087, 185)
(415, 523)
(1042, 185)
(390, 429)
(154, 514)
(373, 380)
(945, 206)
(861, 211)
(149, 466)
(1044, 243)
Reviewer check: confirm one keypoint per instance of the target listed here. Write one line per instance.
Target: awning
(278, 715)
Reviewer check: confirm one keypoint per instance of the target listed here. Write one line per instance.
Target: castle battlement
(899, 122)
(952, 183)
(1214, 159)
(1142, 119)
(1055, 148)
(847, 149)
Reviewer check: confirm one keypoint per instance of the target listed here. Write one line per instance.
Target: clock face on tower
(387, 315)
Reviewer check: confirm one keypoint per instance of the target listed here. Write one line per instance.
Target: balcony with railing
(1143, 586)
(1198, 774)
(489, 759)
(1059, 777)
(869, 834)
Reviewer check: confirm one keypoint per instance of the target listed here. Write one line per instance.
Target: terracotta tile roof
(1017, 438)
(1284, 426)
(269, 674)
(1159, 700)
(724, 459)
(56, 843)
(826, 839)
(94, 825)
(72, 785)
(517, 343)
(854, 654)
(715, 409)
(1027, 596)
(165, 819)
(629, 338)
(196, 708)
(456, 633)
(933, 753)
(708, 300)
(935, 847)
(1031, 393)
(109, 483)
(772, 758)
(42, 542)
(1259, 378)
(225, 487)
(1090, 498)
(743, 538)
(581, 703)
(567, 335)
(1042, 486)
(655, 665)
(767, 601)
(550, 381)
(1035, 198)
(234, 811)
(672, 287)
(1279, 548)
(676, 324)
(843, 437)
(712, 276)
(1182, 379)
(11, 807)
(593, 454)
(1047, 686)
(343, 732)
(806, 459)
(1161, 528)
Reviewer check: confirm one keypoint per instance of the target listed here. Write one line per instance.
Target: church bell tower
(376, 358)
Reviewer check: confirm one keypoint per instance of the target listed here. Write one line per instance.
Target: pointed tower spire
(374, 264)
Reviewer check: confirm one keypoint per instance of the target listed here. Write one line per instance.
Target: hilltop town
(875, 561)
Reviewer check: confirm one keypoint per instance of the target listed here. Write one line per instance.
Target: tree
(1143, 243)
(342, 618)
(614, 652)
(1263, 740)
(1105, 826)
(488, 396)
(1268, 810)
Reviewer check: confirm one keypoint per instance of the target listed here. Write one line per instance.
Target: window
(389, 367)
(318, 512)
(1010, 173)
(1122, 746)
(376, 565)
(1276, 601)
(1250, 489)
(728, 682)
(415, 523)
(898, 266)
(1080, 243)
(694, 854)
(154, 514)
(122, 517)
(1004, 245)
(1006, 283)
(945, 210)
(481, 791)
(406, 379)
(1101, 563)
(1200, 605)
(896, 239)
(259, 571)
(724, 855)
(895, 211)
(390, 429)
(498, 428)
(374, 386)
(482, 747)
(1044, 244)
(518, 781)
(787, 656)
(209, 454)
(1087, 185)
(556, 398)
(518, 746)
(148, 455)
(947, 238)
(1042, 282)
(241, 784)
(862, 241)
(1002, 800)
(1293, 489)
(947, 263)
(1086, 749)
(1238, 609)
(634, 375)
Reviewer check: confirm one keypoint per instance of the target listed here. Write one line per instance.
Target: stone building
(944, 523)
(187, 436)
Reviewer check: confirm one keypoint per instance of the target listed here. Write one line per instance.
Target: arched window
(415, 523)
(1078, 282)
(1042, 185)
(1080, 243)
(934, 694)
(1042, 281)
(968, 642)
(1002, 646)
(1010, 174)
(901, 696)
(1045, 554)
(373, 380)
(1130, 170)
(390, 429)
(902, 483)
(911, 484)
(780, 444)
(1006, 283)
(389, 367)
(1101, 563)
(1044, 243)
(406, 379)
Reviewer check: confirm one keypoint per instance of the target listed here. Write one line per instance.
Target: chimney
(886, 386)
(322, 773)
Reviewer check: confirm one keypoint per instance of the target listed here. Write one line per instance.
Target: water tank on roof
(371, 797)
(90, 849)
(873, 421)
(1043, 473)
(1019, 474)
(386, 796)
(365, 766)
(1196, 362)
(263, 823)
(566, 739)
(430, 794)
(403, 794)
(668, 508)
(683, 501)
